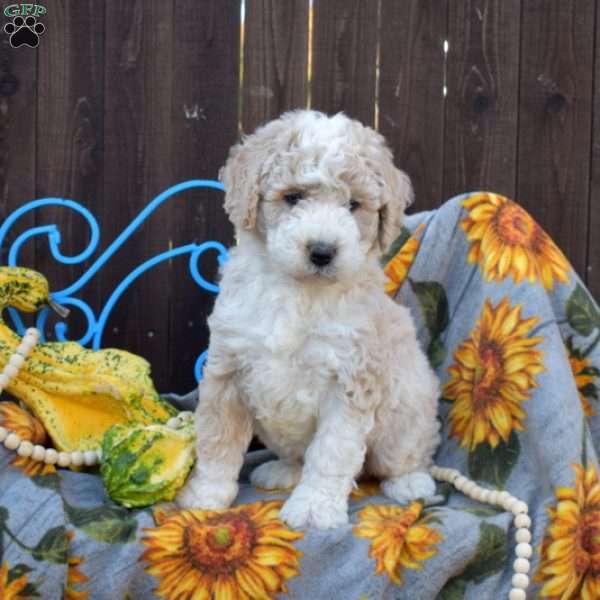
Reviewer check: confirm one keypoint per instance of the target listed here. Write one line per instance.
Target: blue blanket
(513, 335)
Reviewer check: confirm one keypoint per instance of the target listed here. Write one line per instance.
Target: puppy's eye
(293, 198)
(354, 205)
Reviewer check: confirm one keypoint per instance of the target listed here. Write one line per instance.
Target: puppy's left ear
(397, 196)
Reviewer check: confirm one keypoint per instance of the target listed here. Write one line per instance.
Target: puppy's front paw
(308, 507)
(209, 495)
(409, 487)
(276, 474)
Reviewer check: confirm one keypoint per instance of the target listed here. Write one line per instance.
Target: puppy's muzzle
(321, 254)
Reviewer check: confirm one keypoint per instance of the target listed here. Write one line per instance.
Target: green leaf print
(395, 247)
(110, 524)
(53, 546)
(494, 465)
(582, 313)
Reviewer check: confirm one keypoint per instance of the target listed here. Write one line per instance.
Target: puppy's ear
(397, 196)
(242, 172)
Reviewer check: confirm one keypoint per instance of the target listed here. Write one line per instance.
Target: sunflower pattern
(570, 551)
(505, 240)
(11, 589)
(494, 374)
(27, 427)
(400, 538)
(245, 553)
(515, 340)
(396, 270)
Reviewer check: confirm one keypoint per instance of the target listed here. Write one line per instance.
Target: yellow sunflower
(244, 553)
(506, 240)
(397, 268)
(570, 551)
(27, 427)
(14, 589)
(400, 538)
(74, 576)
(493, 375)
(585, 376)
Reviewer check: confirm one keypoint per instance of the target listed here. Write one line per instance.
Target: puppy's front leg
(332, 461)
(224, 430)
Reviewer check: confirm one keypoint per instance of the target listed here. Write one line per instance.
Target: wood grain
(138, 146)
(344, 58)
(555, 119)
(69, 135)
(18, 116)
(593, 242)
(275, 59)
(204, 122)
(411, 102)
(483, 94)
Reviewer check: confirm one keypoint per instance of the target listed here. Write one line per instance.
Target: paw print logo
(24, 32)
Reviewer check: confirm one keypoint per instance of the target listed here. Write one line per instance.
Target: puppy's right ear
(248, 161)
(240, 176)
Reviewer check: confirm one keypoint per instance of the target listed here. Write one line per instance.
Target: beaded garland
(504, 499)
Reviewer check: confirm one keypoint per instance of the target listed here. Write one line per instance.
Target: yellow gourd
(77, 394)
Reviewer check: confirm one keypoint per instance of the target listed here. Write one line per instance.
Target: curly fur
(317, 361)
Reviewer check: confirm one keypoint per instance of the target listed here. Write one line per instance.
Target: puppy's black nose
(321, 254)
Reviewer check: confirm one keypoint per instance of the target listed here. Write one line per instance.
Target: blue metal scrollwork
(67, 296)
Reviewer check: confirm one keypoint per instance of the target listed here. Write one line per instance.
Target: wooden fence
(123, 98)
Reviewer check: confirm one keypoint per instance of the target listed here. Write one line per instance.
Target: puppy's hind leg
(401, 458)
(277, 474)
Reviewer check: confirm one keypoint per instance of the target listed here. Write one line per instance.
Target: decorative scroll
(96, 322)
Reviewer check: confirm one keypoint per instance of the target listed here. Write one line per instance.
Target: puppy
(306, 350)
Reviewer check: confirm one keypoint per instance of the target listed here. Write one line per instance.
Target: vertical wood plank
(411, 102)
(18, 115)
(138, 164)
(69, 133)
(483, 94)
(557, 41)
(205, 106)
(344, 57)
(593, 256)
(275, 59)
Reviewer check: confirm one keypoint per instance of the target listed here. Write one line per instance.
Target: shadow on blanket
(513, 335)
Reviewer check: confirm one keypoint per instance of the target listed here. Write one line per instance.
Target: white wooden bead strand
(36, 452)
(522, 522)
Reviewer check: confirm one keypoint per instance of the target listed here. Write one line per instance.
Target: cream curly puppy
(306, 350)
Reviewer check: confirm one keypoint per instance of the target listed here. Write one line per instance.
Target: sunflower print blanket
(515, 338)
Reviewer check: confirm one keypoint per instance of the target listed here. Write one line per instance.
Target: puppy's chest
(293, 366)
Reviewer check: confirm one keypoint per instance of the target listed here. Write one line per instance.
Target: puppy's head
(322, 193)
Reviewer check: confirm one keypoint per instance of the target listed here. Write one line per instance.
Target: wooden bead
(32, 333)
(64, 459)
(3, 434)
(11, 371)
(12, 441)
(509, 504)
(521, 565)
(523, 536)
(39, 453)
(520, 507)
(51, 457)
(503, 496)
(17, 361)
(25, 449)
(23, 349)
(520, 580)
(524, 550)
(90, 458)
(517, 594)
(522, 520)
(77, 458)
(469, 488)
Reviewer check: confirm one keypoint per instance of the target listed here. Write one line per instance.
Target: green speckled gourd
(77, 394)
(142, 465)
